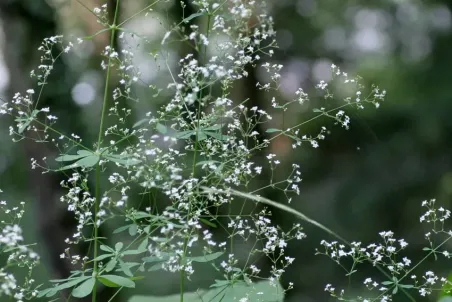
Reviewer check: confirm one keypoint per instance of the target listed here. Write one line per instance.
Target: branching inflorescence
(198, 150)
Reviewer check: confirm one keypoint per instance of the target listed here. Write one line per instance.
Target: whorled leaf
(116, 281)
(85, 162)
(84, 289)
(260, 291)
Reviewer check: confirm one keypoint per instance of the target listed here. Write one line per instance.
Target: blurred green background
(370, 178)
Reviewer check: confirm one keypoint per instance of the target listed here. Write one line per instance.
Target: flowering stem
(113, 28)
(182, 272)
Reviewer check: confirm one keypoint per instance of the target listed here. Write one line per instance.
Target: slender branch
(113, 28)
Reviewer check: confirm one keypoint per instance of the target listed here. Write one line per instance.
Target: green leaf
(137, 278)
(406, 285)
(141, 215)
(84, 152)
(147, 229)
(125, 268)
(85, 162)
(68, 284)
(161, 128)
(271, 130)
(129, 265)
(192, 16)
(133, 252)
(49, 292)
(119, 246)
(446, 290)
(133, 230)
(116, 281)
(201, 136)
(260, 291)
(317, 110)
(68, 157)
(140, 122)
(122, 229)
(217, 136)
(144, 245)
(247, 279)
(25, 122)
(184, 134)
(220, 283)
(387, 282)
(88, 161)
(123, 161)
(106, 248)
(394, 291)
(34, 113)
(214, 127)
(156, 267)
(188, 297)
(157, 94)
(84, 289)
(102, 257)
(205, 162)
(206, 258)
(152, 259)
(111, 265)
(352, 272)
(208, 222)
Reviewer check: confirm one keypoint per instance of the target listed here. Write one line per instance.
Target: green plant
(198, 151)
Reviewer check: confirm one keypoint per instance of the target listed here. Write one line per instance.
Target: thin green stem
(137, 13)
(61, 134)
(294, 212)
(99, 140)
(182, 272)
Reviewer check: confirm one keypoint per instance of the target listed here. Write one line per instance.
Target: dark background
(370, 178)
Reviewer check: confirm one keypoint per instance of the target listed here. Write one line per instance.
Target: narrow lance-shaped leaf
(192, 16)
(161, 128)
(205, 162)
(206, 258)
(85, 162)
(140, 122)
(184, 134)
(64, 285)
(201, 136)
(125, 268)
(126, 161)
(224, 291)
(214, 127)
(272, 130)
(208, 222)
(217, 135)
(27, 121)
(116, 281)
(111, 265)
(69, 157)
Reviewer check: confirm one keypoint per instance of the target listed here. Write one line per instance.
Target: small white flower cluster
(437, 217)
(200, 138)
(386, 256)
(48, 57)
(102, 15)
(18, 255)
(80, 202)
